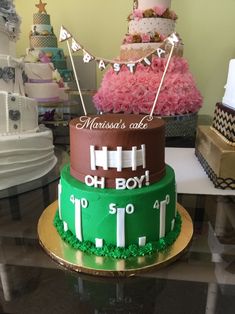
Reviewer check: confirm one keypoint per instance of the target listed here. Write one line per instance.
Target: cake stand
(86, 263)
(184, 125)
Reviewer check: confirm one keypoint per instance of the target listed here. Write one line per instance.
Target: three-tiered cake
(150, 23)
(45, 63)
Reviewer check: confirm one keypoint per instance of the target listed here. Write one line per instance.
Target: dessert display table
(201, 281)
(190, 176)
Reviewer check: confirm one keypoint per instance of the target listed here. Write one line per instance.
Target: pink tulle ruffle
(135, 93)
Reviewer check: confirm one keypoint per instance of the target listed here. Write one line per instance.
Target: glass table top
(201, 281)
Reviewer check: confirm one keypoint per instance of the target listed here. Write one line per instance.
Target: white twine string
(76, 79)
(162, 80)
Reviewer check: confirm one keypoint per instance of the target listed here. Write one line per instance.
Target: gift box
(216, 157)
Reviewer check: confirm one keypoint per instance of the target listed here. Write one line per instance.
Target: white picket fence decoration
(118, 159)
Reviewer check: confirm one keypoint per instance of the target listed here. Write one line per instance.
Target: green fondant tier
(60, 64)
(56, 54)
(118, 217)
(110, 250)
(59, 61)
(66, 74)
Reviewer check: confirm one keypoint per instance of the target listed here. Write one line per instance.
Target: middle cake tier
(120, 149)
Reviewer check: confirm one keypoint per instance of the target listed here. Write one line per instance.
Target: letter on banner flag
(75, 46)
(87, 57)
(116, 67)
(64, 34)
(102, 65)
(131, 67)
(160, 51)
(173, 39)
(146, 61)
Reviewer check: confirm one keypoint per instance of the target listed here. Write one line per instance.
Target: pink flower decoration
(162, 37)
(159, 10)
(44, 58)
(145, 38)
(135, 93)
(128, 39)
(138, 14)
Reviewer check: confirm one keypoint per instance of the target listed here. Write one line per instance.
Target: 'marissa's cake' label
(117, 198)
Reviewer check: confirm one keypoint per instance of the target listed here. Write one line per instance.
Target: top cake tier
(42, 33)
(147, 4)
(114, 146)
(39, 18)
(150, 23)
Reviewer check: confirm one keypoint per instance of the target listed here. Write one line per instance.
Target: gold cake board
(78, 261)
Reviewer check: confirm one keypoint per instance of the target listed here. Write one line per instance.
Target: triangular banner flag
(75, 46)
(173, 39)
(116, 67)
(131, 67)
(87, 57)
(102, 64)
(147, 61)
(160, 52)
(64, 34)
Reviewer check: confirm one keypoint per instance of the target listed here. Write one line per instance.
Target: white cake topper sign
(102, 63)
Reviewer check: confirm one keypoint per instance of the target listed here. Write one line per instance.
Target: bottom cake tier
(118, 223)
(216, 157)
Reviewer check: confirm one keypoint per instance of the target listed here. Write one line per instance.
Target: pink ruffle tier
(135, 93)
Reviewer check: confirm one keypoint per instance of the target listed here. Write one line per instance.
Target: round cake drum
(78, 261)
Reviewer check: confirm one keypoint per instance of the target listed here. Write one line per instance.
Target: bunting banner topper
(102, 63)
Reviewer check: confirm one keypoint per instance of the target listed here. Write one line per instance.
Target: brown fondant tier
(43, 41)
(224, 123)
(216, 157)
(133, 149)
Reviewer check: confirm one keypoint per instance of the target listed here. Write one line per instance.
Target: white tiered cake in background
(215, 145)
(149, 25)
(229, 96)
(26, 149)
